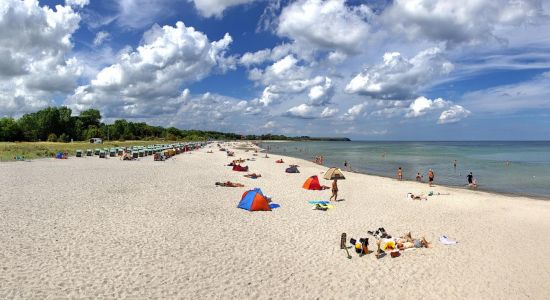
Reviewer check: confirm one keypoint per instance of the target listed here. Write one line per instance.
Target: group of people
(419, 177)
(318, 159)
(472, 182)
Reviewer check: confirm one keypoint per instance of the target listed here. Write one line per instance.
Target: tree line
(56, 124)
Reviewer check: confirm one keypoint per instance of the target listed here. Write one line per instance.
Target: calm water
(528, 172)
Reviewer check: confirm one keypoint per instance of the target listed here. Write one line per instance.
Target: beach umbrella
(333, 173)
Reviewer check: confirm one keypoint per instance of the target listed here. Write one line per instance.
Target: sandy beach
(105, 228)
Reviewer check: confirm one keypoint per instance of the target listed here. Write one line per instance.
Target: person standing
(334, 190)
(399, 173)
(431, 177)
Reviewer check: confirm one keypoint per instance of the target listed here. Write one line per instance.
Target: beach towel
(318, 202)
(446, 241)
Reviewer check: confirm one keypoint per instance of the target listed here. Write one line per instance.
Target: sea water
(521, 168)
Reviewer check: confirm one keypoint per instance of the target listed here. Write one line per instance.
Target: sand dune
(101, 228)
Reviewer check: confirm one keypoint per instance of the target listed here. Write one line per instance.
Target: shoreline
(480, 188)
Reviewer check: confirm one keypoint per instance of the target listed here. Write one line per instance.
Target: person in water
(418, 177)
(399, 173)
(470, 177)
(431, 177)
(472, 182)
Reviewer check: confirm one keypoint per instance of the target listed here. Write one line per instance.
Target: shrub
(52, 137)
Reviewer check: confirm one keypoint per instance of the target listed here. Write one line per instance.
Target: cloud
(211, 112)
(458, 22)
(270, 125)
(329, 112)
(35, 43)
(147, 81)
(454, 114)
(400, 78)
(327, 25)
(302, 111)
(532, 94)
(421, 105)
(321, 94)
(210, 8)
(355, 111)
(138, 14)
(101, 37)
(77, 3)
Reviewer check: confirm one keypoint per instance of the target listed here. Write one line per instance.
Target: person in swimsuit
(430, 177)
(334, 190)
(399, 173)
(418, 177)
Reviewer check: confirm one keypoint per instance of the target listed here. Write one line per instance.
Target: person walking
(431, 177)
(334, 190)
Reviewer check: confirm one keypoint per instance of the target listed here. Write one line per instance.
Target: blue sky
(369, 70)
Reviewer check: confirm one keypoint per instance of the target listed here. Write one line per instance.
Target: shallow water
(527, 173)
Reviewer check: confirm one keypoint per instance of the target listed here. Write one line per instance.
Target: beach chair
(89, 152)
(78, 153)
(149, 151)
(120, 151)
(96, 151)
(112, 153)
(141, 153)
(102, 154)
(135, 154)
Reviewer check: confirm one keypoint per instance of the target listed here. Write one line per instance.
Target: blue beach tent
(254, 200)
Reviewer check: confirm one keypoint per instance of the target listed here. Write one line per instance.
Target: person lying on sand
(280, 161)
(417, 197)
(406, 242)
(253, 175)
(229, 184)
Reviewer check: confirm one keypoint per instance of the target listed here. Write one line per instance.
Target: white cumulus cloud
(147, 81)
(454, 114)
(400, 78)
(329, 112)
(302, 111)
(209, 8)
(77, 3)
(458, 22)
(451, 112)
(325, 24)
(35, 42)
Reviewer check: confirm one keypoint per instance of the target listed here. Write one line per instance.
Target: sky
(367, 70)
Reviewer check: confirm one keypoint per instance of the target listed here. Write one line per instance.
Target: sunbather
(406, 242)
(417, 197)
(253, 175)
(229, 184)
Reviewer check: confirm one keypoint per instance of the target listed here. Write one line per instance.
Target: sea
(518, 168)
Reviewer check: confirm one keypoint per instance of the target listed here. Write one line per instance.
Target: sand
(104, 228)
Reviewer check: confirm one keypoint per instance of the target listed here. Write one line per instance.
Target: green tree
(9, 130)
(90, 117)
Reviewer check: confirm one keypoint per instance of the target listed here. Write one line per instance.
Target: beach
(105, 228)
